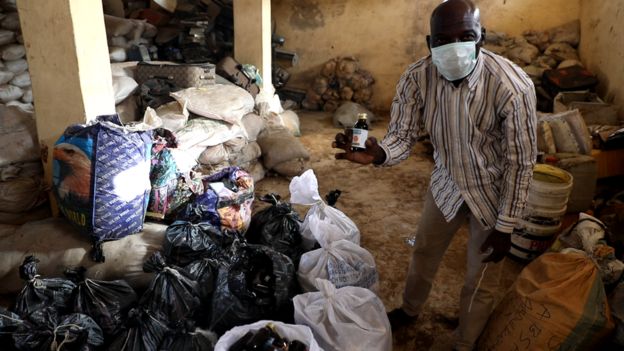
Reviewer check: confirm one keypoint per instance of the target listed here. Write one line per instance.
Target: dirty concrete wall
(602, 46)
(386, 36)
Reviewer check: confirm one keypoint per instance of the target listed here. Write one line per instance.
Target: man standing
(479, 110)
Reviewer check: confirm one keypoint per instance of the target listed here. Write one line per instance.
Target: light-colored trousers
(433, 237)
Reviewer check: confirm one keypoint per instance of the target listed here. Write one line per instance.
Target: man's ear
(483, 32)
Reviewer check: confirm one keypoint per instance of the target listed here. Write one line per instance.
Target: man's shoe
(398, 319)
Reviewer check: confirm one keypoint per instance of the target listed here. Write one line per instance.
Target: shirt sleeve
(405, 120)
(520, 150)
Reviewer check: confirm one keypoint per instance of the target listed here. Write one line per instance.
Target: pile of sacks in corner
(226, 127)
(15, 85)
(205, 285)
(219, 126)
(537, 51)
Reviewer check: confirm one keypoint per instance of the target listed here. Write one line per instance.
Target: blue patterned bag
(101, 178)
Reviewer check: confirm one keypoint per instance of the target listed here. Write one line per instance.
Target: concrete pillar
(69, 66)
(252, 36)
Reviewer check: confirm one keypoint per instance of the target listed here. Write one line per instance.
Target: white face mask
(455, 60)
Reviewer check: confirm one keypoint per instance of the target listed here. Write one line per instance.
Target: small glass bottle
(360, 133)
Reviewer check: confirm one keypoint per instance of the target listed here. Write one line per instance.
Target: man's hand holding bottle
(372, 154)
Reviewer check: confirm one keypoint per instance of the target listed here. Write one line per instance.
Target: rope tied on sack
(35, 281)
(54, 346)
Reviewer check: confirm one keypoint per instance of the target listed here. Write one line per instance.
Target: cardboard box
(609, 163)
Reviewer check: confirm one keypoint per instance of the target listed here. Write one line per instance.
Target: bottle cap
(361, 115)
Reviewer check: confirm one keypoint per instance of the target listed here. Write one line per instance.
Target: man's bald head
(454, 20)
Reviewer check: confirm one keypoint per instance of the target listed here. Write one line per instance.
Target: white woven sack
(6, 76)
(123, 87)
(28, 96)
(16, 66)
(349, 318)
(13, 52)
(204, 132)
(6, 36)
(11, 21)
(287, 331)
(228, 103)
(21, 80)
(304, 191)
(341, 262)
(10, 92)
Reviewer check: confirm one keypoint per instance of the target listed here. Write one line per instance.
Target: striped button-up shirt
(483, 134)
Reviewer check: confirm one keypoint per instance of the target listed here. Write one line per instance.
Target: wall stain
(306, 14)
(338, 8)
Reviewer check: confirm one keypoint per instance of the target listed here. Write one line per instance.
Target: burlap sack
(558, 302)
(253, 125)
(18, 136)
(292, 168)
(58, 245)
(255, 169)
(278, 146)
(249, 153)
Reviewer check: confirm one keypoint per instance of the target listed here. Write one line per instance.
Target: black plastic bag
(39, 293)
(258, 284)
(144, 331)
(277, 226)
(186, 242)
(202, 208)
(188, 338)
(104, 301)
(46, 330)
(172, 293)
(204, 272)
(9, 322)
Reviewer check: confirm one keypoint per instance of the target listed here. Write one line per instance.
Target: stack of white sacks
(340, 278)
(15, 86)
(215, 128)
(125, 34)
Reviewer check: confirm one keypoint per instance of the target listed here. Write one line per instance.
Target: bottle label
(359, 138)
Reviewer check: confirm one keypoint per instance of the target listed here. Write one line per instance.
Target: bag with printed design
(340, 261)
(163, 174)
(226, 201)
(304, 191)
(101, 178)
